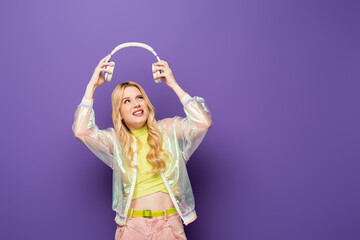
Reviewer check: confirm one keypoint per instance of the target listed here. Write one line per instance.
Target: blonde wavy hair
(157, 156)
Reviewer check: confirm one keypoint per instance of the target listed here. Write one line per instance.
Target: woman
(152, 193)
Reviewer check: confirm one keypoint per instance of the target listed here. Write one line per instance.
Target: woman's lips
(138, 113)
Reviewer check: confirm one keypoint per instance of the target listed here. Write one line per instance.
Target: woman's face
(133, 108)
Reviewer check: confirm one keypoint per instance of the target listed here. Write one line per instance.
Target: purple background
(281, 79)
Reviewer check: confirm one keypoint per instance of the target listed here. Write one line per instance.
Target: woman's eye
(140, 97)
(126, 101)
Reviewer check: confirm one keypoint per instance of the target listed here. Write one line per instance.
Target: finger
(158, 69)
(106, 70)
(163, 63)
(99, 69)
(159, 64)
(162, 67)
(166, 64)
(103, 60)
(159, 76)
(106, 63)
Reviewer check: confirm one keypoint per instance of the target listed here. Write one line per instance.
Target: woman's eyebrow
(124, 98)
(129, 97)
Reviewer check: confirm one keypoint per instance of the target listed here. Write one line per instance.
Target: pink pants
(155, 228)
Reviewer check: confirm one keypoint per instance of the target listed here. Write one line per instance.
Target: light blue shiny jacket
(181, 136)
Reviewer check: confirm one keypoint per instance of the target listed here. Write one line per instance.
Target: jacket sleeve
(191, 130)
(100, 142)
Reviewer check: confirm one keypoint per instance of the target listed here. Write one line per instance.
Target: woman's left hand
(166, 74)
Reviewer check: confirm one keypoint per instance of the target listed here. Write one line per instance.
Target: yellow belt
(149, 213)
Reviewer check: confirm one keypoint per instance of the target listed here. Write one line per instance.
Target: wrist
(174, 85)
(185, 99)
(178, 90)
(183, 96)
(90, 90)
(91, 87)
(87, 102)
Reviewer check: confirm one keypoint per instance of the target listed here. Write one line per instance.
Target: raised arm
(100, 142)
(190, 130)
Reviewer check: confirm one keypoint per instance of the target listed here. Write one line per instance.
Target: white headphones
(108, 76)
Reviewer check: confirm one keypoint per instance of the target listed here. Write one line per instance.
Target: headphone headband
(133, 44)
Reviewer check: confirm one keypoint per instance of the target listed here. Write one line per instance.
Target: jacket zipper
(132, 184)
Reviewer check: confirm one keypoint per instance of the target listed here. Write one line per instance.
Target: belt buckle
(147, 213)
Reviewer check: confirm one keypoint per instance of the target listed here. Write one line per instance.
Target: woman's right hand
(97, 79)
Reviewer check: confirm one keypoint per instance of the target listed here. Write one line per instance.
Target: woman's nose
(136, 104)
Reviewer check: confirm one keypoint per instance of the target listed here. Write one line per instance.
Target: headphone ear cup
(108, 76)
(155, 74)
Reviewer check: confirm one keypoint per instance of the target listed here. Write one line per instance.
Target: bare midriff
(158, 201)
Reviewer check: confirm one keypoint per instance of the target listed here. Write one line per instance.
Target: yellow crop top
(146, 182)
